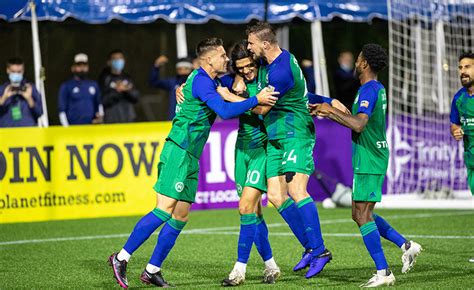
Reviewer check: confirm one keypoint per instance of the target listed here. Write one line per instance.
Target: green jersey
(290, 117)
(252, 132)
(462, 113)
(370, 149)
(193, 120)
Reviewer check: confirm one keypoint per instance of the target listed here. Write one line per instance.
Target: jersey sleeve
(367, 100)
(281, 79)
(205, 90)
(227, 81)
(318, 99)
(454, 116)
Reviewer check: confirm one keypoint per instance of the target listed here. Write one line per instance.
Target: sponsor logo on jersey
(179, 186)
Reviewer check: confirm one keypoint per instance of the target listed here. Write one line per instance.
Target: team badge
(179, 186)
(91, 90)
(364, 104)
(75, 90)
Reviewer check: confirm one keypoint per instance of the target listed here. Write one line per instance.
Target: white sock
(123, 255)
(270, 264)
(152, 269)
(383, 272)
(241, 267)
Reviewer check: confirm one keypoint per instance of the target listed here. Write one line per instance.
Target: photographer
(20, 102)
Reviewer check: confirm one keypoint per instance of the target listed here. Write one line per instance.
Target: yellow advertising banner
(79, 172)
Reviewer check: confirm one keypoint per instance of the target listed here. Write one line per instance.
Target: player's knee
(184, 217)
(246, 208)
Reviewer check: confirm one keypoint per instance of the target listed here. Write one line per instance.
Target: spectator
(184, 67)
(20, 101)
(118, 91)
(308, 72)
(345, 82)
(79, 97)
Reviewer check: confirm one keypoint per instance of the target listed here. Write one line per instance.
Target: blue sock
(387, 232)
(309, 214)
(371, 237)
(261, 240)
(144, 228)
(289, 212)
(166, 240)
(248, 230)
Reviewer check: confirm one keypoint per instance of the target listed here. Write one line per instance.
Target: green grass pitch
(73, 254)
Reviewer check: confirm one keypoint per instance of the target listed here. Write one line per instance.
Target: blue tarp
(187, 11)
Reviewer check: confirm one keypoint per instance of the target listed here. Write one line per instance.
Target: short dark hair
(466, 54)
(207, 45)
(264, 31)
(376, 56)
(15, 60)
(239, 51)
(115, 51)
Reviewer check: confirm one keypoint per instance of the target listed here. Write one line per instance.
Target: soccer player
(370, 162)
(462, 115)
(178, 167)
(291, 138)
(250, 160)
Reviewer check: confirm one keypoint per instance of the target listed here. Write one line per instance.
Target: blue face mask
(118, 64)
(15, 77)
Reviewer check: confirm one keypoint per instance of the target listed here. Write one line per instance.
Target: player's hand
(161, 60)
(457, 132)
(239, 85)
(320, 110)
(267, 97)
(224, 92)
(338, 105)
(179, 94)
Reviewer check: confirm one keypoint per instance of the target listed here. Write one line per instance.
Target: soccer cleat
(318, 263)
(155, 279)
(471, 260)
(120, 270)
(410, 251)
(380, 280)
(271, 275)
(235, 278)
(304, 262)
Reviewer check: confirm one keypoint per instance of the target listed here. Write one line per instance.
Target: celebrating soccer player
(370, 162)
(462, 115)
(178, 167)
(291, 138)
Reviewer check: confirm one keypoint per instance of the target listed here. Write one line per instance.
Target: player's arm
(318, 99)
(233, 98)
(204, 89)
(456, 130)
(367, 100)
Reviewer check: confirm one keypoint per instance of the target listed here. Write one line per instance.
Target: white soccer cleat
(471, 260)
(410, 251)
(271, 275)
(235, 278)
(379, 280)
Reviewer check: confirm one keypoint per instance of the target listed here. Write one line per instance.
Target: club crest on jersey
(364, 104)
(179, 186)
(92, 90)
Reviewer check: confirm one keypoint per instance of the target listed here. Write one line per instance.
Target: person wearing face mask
(184, 67)
(20, 101)
(79, 97)
(345, 83)
(118, 90)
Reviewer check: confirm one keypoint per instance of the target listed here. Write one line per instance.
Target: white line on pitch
(216, 229)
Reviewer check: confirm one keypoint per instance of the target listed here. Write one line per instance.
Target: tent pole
(181, 42)
(319, 60)
(39, 76)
